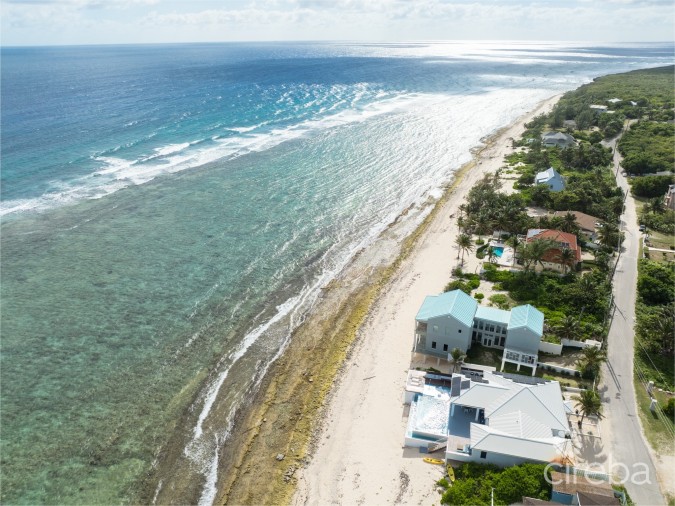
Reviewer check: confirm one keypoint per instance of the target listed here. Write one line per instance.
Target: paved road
(626, 442)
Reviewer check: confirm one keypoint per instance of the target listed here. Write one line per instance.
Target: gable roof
(483, 438)
(571, 484)
(540, 408)
(493, 314)
(527, 316)
(553, 254)
(585, 221)
(481, 395)
(520, 424)
(455, 303)
(547, 175)
(557, 136)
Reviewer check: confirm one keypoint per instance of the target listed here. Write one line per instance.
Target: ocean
(171, 212)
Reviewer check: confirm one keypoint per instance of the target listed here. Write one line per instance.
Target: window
(492, 328)
(475, 325)
(459, 331)
(498, 330)
(433, 344)
(445, 347)
(480, 325)
(473, 336)
(483, 455)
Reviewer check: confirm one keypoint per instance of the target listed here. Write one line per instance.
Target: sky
(65, 22)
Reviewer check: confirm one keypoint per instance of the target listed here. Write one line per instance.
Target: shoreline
(289, 415)
(356, 445)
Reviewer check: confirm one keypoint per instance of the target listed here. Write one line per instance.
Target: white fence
(580, 344)
(552, 348)
(557, 368)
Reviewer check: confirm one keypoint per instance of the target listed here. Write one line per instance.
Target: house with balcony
(492, 418)
(456, 320)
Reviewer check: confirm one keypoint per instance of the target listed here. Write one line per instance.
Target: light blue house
(455, 320)
(444, 321)
(550, 178)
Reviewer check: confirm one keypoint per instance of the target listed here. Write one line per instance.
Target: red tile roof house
(551, 259)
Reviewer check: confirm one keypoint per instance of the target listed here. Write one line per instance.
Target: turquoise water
(169, 214)
(499, 251)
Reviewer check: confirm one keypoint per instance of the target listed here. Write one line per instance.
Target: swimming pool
(499, 250)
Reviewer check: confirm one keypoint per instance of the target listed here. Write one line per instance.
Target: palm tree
(589, 403)
(569, 223)
(608, 234)
(569, 328)
(457, 358)
(533, 252)
(655, 205)
(515, 243)
(491, 254)
(567, 257)
(464, 244)
(592, 360)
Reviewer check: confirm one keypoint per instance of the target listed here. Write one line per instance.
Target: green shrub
(458, 285)
(473, 284)
(479, 296)
(500, 300)
(457, 272)
(669, 408)
(480, 242)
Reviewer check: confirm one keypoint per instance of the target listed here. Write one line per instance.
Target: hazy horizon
(99, 22)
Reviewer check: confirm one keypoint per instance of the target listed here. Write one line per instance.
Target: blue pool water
(499, 251)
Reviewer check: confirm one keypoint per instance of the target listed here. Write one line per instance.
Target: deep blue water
(169, 213)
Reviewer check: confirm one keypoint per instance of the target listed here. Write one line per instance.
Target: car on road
(642, 228)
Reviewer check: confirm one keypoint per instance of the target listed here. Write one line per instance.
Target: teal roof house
(444, 322)
(455, 320)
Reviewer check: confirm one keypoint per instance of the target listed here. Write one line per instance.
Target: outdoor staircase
(437, 445)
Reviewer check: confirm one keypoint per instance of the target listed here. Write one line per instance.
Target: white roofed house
(560, 139)
(599, 109)
(497, 418)
(550, 178)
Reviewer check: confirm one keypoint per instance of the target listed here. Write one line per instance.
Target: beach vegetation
(500, 300)
(458, 284)
(464, 245)
(474, 484)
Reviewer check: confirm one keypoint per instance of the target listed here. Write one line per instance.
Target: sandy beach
(358, 455)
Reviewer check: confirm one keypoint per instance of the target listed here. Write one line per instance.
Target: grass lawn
(658, 431)
(661, 371)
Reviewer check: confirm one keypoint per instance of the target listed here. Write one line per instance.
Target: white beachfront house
(550, 178)
(560, 139)
(599, 109)
(455, 320)
(489, 417)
